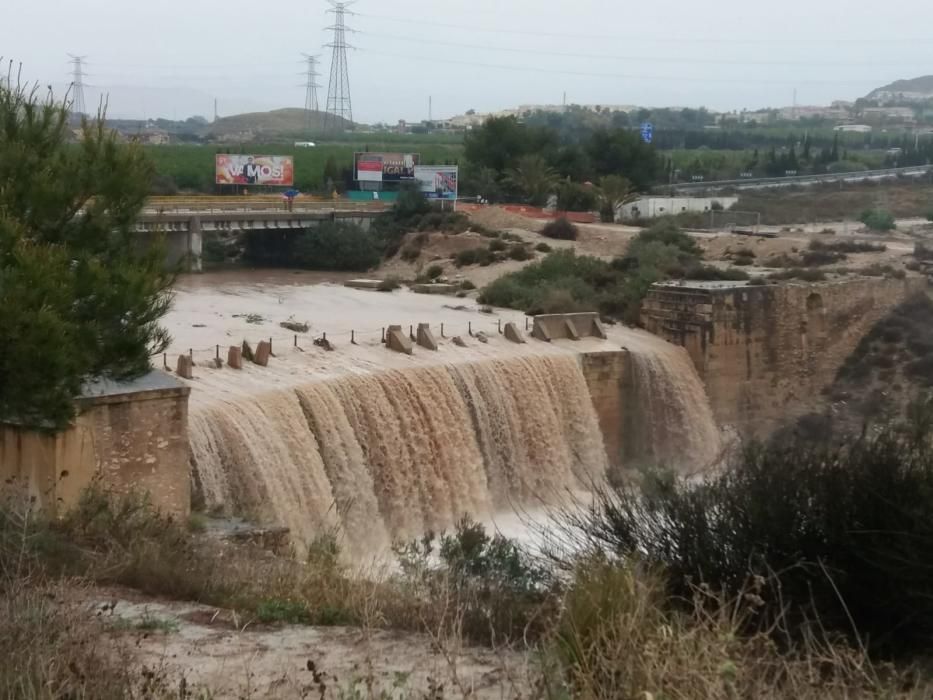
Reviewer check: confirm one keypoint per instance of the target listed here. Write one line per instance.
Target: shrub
(467, 286)
(520, 252)
(666, 231)
(878, 220)
(836, 533)
(922, 252)
(434, 271)
(799, 274)
(572, 196)
(497, 245)
(618, 636)
(930, 215)
(543, 248)
(410, 253)
(818, 258)
(485, 586)
(848, 247)
(335, 246)
(474, 256)
(561, 229)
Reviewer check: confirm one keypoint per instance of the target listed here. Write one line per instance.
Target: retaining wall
(766, 353)
(127, 437)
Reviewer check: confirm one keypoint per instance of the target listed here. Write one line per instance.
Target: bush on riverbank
(832, 535)
(609, 630)
(565, 282)
(337, 246)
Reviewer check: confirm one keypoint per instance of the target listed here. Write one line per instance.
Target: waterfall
(390, 454)
(395, 453)
(673, 424)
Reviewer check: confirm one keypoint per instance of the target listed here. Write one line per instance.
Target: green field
(190, 168)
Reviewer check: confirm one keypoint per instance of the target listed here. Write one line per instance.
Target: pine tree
(80, 295)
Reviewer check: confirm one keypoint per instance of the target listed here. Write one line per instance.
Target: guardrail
(918, 171)
(209, 205)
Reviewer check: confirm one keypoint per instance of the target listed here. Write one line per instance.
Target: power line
(339, 104)
(640, 57)
(311, 86)
(77, 84)
(628, 76)
(635, 38)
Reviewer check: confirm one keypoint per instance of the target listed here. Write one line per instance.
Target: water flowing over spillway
(377, 446)
(673, 423)
(395, 453)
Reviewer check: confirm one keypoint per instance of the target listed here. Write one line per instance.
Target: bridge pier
(195, 245)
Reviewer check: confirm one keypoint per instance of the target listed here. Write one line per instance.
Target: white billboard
(438, 181)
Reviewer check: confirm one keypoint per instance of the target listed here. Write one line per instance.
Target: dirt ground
(227, 657)
(608, 241)
(832, 202)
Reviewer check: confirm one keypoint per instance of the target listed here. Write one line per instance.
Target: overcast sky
(172, 58)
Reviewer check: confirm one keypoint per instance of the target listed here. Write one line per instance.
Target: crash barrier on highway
(396, 337)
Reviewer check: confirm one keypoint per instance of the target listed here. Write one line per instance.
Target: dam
(333, 433)
(377, 446)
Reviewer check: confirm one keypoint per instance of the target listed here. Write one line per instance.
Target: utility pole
(215, 110)
(311, 86)
(339, 105)
(430, 108)
(77, 85)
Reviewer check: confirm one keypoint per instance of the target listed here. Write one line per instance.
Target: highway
(800, 180)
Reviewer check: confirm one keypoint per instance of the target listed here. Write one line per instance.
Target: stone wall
(766, 353)
(608, 378)
(127, 437)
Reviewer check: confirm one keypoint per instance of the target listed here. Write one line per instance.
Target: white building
(654, 207)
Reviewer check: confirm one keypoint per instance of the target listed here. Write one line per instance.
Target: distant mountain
(913, 89)
(290, 123)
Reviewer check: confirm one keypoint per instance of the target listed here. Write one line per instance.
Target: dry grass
(607, 631)
(619, 637)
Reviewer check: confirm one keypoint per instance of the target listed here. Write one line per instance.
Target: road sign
(647, 132)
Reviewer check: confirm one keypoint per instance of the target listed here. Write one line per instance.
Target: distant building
(653, 207)
(854, 128)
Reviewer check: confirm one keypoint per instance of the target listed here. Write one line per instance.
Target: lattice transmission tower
(311, 85)
(77, 84)
(339, 104)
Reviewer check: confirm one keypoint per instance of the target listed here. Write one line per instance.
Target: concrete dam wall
(765, 353)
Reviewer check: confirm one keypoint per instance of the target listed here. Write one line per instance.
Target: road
(804, 180)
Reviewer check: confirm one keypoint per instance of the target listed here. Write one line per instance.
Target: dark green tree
(622, 152)
(331, 172)
(81, 295)
(501, 141)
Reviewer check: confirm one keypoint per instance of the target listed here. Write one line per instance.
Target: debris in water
(295, 326)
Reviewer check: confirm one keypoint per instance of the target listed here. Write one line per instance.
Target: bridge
(184, 221)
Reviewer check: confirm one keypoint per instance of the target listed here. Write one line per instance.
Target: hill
(922, 86)
(289, 122)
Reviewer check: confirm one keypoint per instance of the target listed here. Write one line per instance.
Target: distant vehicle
(305, 144)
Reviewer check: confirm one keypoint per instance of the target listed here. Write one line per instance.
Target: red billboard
(386, 167)
(240, 169)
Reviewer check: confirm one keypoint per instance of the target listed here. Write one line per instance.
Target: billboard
(386, 167)
(438, 181)
(242, 169)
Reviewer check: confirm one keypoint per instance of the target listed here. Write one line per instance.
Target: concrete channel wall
(127, 437)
